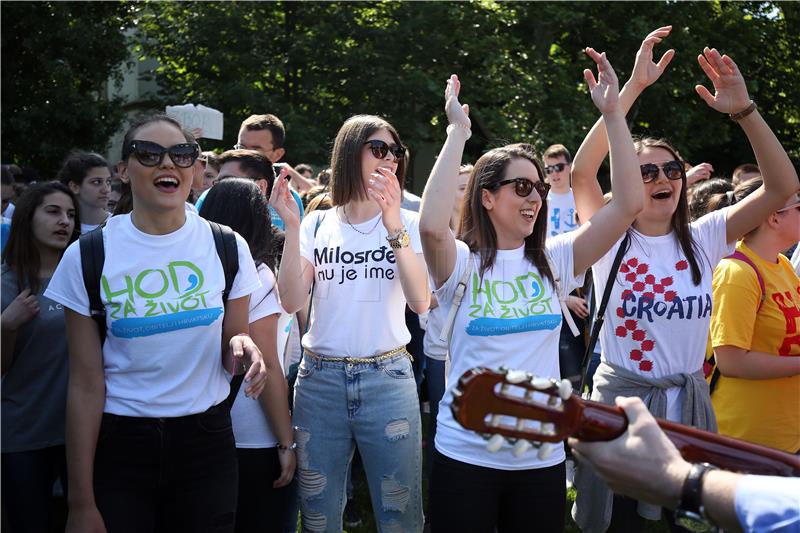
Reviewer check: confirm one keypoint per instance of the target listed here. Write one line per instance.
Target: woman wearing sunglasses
(516, 284)
(659, 310)
(754, 333)
(149, 440)
(355, 384)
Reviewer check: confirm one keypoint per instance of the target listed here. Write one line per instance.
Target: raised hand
(456, 112)
(698, 173)
(385, 190)
(23, 308)
(282, 201)
(730, 91)
(604, 89)
(645, 71)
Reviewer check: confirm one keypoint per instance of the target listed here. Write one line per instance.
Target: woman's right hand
(282, 201)
(456, 112)
(605, 89)
(23, 308)
(85, 519)
(645, 71)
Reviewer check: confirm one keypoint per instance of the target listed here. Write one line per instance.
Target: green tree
(57, 58)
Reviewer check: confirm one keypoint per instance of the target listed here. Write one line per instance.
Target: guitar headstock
(541, 409)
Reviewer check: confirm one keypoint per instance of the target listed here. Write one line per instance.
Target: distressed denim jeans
(373, 406)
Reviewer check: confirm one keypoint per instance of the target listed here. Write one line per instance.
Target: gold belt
(358, 360)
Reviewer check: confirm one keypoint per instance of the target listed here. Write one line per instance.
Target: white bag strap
(461, 288)
(562, 298)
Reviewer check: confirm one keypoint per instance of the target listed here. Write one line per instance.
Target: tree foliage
(57, 59)
(316, 63)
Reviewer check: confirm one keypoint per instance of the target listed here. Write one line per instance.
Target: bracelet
(452, 127)
(736, 117)
(283, 448)
(401, 239)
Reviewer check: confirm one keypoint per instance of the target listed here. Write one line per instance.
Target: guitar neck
(600, 422)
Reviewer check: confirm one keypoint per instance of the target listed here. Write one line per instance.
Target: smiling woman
(161, 375)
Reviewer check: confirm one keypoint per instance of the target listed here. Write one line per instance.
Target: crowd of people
(202, 341)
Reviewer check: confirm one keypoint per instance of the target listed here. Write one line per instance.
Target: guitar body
(543, 411)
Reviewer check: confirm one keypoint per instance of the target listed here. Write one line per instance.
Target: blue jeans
(340, 405)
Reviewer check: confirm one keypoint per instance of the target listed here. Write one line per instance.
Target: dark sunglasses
(523, 187)
(151, 154)
(558, 167)
(673, 170)
(380, 149)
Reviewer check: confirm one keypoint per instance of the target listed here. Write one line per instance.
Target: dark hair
(266, 122)
(346, 183)
(211, 159)
(8, 176)
(556, 150)
(680, 218)
(324, 177)
(257, 165)
(302, 167)
(476, 228)
(735, 194)
(239, 204)
(21, 254)
(745, 168)
(78, 164)
(703, 192)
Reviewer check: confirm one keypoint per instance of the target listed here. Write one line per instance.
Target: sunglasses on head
(795, 205)
(558, 167)
(380, 149)
(673, 170)
(523, 187)
(151, 154)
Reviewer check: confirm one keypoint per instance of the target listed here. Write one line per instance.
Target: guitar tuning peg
(494, 444)
(544, 451)
(540, 383)
(520, 448)
(565, 389)
(516, 376)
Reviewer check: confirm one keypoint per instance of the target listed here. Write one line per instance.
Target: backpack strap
(601, 311)
(712, 361)
(228, 252)
(93, 257)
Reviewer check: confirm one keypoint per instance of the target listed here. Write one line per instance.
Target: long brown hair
(680, 218)
(21, 253)
(346, 183)
(476, 228)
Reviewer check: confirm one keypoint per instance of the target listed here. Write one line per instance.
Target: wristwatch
(399, 239)
(691, 513)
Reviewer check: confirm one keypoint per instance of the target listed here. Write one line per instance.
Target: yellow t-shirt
(764, 411)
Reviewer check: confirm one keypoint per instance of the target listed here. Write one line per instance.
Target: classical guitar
(529, 412)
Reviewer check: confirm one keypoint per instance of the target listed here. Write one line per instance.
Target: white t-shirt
(251, 429)
(163, 297)
(560, 213)
(359, 306)
(512, 317)
(657, 319)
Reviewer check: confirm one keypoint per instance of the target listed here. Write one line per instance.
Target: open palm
(645, 71)
(604, 89)
(456, 113)
(730, 91)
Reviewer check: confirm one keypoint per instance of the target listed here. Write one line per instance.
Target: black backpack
(93, 257)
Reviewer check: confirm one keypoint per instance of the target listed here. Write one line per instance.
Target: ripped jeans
(375, 406)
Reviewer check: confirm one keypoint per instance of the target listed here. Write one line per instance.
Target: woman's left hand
(245, 350)
(605, 89)
(730, 91)
(288, 462)
(385, 190)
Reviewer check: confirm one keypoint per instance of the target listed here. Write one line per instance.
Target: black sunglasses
(673, 170)
(380, 149)
(558, 167)
(151, 154)
(523, 187)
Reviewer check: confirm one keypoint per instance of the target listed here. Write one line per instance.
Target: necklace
(344, 210)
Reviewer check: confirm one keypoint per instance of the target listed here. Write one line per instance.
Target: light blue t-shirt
(768, 503)
(276, 219)
(5, 230)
